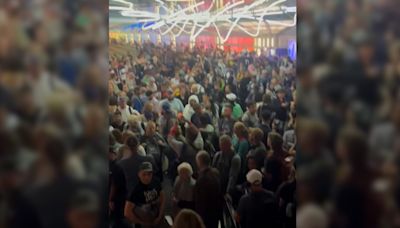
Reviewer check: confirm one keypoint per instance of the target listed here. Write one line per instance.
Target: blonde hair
(133, 120)
(148, 107)
(186, 166)
(188, 219)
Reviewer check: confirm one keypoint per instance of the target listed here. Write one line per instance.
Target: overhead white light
(192, 21)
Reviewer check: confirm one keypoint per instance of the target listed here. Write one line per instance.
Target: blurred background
(53, 126)
(349, 113)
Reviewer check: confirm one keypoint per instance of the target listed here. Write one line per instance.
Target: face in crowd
(150, 129)
(170, 95)
(122, 102)
(281, 94)
(184, 174)
(252, 109)
(117, 118)
(145, 176)
(227, 112)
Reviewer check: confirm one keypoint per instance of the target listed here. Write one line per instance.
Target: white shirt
(175, 82)
(127, 111)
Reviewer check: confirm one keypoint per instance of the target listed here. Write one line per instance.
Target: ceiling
(119, 22)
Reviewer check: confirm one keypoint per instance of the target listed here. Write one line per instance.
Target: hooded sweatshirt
(188, 110)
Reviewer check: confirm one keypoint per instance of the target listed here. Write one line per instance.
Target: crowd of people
(348, 114)
(193, 130)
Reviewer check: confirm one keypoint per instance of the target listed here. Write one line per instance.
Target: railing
(228, 216)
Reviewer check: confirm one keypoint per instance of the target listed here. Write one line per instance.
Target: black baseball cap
(146, 166)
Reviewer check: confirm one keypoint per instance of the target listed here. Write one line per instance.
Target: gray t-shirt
(250, 120)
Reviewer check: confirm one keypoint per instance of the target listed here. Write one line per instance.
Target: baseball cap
(254, 177)
(146, 166)
(231, 97)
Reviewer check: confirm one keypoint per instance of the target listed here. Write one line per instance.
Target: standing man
(225, 124)
(250, 118)
(175, 104)
(145, 204)
(154, 144)
(227, 163)
(131, 164)
(208, 197)
(259, 208)
(125, 109)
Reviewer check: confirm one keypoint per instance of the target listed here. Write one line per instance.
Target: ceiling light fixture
(192, 21)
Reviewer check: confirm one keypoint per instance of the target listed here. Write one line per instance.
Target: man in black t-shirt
(130, 166)
(145, 204)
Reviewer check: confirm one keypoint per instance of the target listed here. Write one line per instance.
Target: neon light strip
(199, 21)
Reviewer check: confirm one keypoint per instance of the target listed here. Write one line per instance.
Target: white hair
(186, 166)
